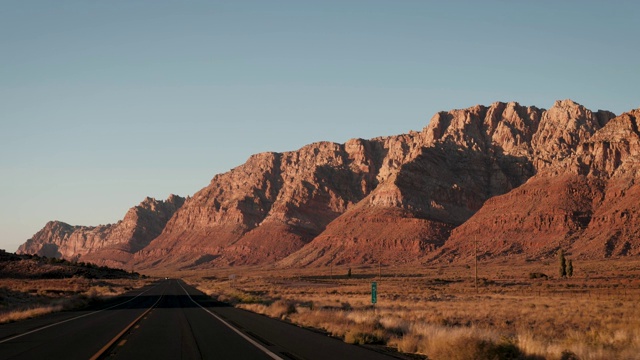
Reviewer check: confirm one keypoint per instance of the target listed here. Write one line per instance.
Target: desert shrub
(568, 355)
(27, 313)
(538, 275)
(305, 304)
(333, 322)
(247, 298)
(394, 324)
(363, 317)
(474, 348)
(408, 343)
(237, 297)
(358, 335)
(281, 309)
(256, 308)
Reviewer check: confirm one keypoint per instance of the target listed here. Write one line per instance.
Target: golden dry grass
(435, 311)
(26, 298)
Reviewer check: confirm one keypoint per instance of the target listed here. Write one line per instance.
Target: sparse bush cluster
(538, 275)
(566, 266)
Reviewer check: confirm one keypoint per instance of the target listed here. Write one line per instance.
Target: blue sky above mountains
(103, 103)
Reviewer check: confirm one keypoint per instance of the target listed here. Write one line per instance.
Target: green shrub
(563, 264)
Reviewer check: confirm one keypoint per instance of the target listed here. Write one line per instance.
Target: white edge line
(253, 342)
(74, 318)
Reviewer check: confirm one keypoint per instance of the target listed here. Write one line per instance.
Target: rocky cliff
(112, 244)
(395, 199)
(586, 202)
(269, 207)
(446, 174)
(521, 180)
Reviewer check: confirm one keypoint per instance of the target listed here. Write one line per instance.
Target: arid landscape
(301, 235)
(312, 180)
(33, 286)
(523, 181)
(516, 310)
(436, 311)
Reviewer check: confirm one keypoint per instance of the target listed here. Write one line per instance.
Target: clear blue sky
(105, 102)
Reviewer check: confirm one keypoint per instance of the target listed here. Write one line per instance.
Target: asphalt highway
(168, 320)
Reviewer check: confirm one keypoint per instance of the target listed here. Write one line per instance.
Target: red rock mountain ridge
(111, 245)
(523, 181)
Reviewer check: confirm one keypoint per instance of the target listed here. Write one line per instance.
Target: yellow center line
(74, 318)
(117, 337)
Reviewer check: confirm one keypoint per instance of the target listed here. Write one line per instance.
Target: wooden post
(475, 247)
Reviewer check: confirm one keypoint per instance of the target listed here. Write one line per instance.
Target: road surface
(168, 320)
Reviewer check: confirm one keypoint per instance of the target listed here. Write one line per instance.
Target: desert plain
(437, 312)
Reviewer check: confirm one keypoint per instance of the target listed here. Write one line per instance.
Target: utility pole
(475, 255)
(379, 259)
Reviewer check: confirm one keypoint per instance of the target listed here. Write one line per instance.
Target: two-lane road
(75, 334)
(168, 320)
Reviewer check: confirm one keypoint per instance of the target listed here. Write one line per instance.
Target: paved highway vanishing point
(168, 320)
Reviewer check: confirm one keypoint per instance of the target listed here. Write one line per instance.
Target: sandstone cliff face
(613, 156)
(272, 205)
(448, 171)
(562, 129)
(584, 202)
(111, 244)
(521, 180)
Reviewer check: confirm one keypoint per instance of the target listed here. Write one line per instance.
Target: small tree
(349, 273)
(563, 264)
(570, 269)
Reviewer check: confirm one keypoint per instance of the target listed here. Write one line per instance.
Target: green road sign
(374, 292)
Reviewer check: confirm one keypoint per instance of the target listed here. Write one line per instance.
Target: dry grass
(21, 314)
(435, 311)
(26, 298)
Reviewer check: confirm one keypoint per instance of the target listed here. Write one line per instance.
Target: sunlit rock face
(520, 181)
(112, 244)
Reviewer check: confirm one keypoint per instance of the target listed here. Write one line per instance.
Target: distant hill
(35, 267)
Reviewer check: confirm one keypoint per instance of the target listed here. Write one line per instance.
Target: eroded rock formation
(523, 181)
(112, 244)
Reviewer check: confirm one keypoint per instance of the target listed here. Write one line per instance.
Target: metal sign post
(374, 293)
